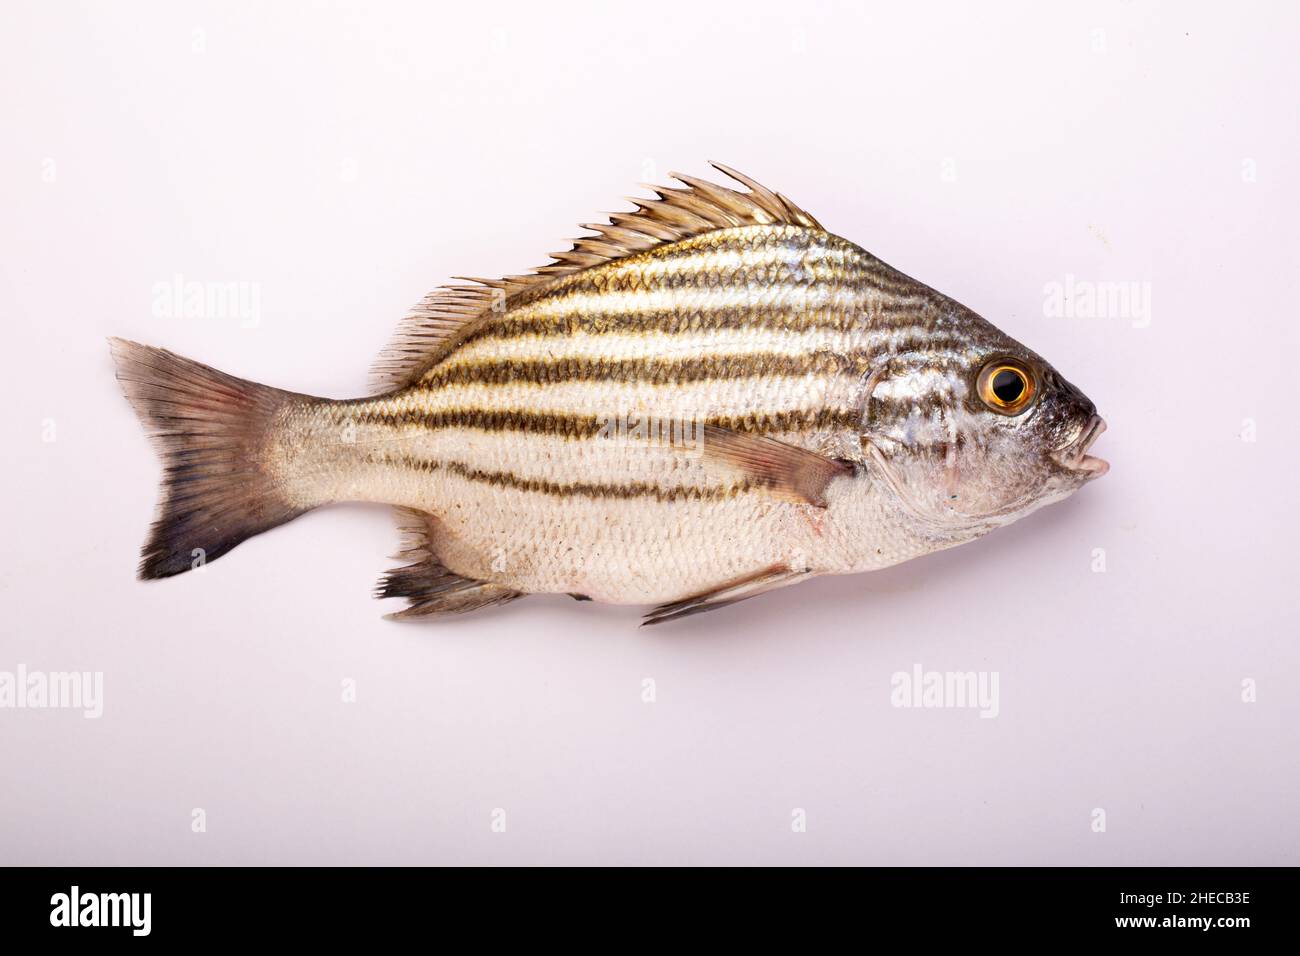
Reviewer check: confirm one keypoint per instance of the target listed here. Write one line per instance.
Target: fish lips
(1075, 458)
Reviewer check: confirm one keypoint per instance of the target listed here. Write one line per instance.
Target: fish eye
(1006, 386)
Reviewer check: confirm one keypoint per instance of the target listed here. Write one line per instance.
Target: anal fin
(431, 588)
(766, 580)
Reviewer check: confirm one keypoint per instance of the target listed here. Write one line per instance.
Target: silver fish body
(710, 398)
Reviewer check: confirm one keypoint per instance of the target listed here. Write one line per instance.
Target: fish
(707, 397)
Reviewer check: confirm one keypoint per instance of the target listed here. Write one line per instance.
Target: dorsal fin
(433, 327)
(422, 336)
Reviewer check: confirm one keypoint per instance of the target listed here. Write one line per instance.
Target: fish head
(979, 433)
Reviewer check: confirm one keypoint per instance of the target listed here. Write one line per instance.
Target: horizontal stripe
(711, 328)
(581, 426)
(656, 370)
(733, 396)
(653, 345)
(722, 253)
(583, 489)
(491, 358)
(756, 295)
(734, 268)
(885, 410)
(759, 253)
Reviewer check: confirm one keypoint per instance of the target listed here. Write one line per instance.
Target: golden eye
(1006, 386)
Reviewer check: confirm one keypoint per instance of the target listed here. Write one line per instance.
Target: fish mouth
(1076, 458)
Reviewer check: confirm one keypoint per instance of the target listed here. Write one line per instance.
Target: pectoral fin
(790, 473)
(768, 579)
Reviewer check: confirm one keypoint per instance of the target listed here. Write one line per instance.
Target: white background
(344, 159)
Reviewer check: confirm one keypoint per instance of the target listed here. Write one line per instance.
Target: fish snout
(1074, 457)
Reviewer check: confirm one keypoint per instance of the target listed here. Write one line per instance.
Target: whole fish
(709, 397)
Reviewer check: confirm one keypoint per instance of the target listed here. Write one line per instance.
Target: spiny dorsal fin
(432, 328)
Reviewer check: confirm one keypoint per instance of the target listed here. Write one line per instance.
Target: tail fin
(210, 430)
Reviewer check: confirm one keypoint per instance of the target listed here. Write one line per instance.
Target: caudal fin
(210, 430)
